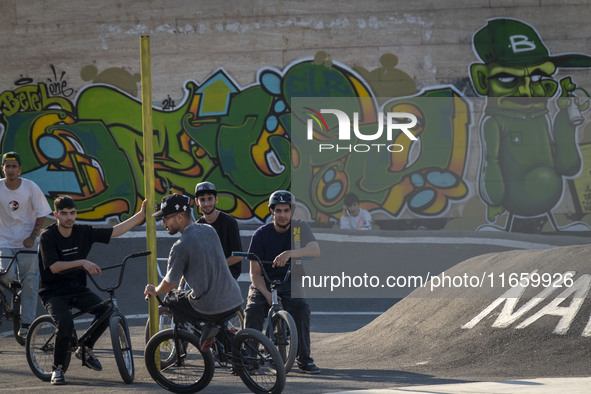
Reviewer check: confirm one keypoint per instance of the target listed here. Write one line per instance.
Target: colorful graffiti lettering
(237, 138)
(243, 140)
(30, 98)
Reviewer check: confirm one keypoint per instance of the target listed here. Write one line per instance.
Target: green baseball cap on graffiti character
(513, 43)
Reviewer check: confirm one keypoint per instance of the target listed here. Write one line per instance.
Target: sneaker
(57, 376)
(90, 359)
(208, 333)
(22, 332)
(310, 368)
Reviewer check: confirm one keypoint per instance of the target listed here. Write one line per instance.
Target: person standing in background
(225, 225)
(23, 209)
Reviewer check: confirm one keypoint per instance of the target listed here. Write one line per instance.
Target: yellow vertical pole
(148, 136)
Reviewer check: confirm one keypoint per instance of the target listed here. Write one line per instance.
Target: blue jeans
(26, 270)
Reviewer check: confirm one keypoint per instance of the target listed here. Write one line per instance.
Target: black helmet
(281, 197)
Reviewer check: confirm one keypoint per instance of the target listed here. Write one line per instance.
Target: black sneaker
(310, 368)
(90, 359)
(57, 376)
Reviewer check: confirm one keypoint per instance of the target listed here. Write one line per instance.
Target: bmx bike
(175, 361)
(10, 306)
(40, 342)
(165, 316)
(279, 325)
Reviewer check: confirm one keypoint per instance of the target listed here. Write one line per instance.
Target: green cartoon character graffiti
(526, 152)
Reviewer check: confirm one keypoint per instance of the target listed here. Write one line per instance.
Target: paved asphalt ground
(331, 317)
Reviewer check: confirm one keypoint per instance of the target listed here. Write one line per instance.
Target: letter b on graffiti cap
(520, 43)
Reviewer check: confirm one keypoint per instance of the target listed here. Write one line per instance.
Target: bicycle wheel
(121, 342)
(258, 362)
(164, 321)
(16, 320)
(285, 335)
(188, 371)
(39, 347)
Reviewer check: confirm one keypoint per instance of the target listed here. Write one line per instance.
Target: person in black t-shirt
(279, 241)
(224, 224)
(62, 246)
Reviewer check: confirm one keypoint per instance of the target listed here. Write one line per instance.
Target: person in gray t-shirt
(197, 257)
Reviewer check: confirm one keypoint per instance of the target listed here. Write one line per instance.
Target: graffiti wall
(485, 161)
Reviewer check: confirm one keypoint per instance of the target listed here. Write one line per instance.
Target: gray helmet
(281, 197)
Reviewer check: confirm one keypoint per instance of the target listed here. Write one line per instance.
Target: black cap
(173, 203)
(205, 187)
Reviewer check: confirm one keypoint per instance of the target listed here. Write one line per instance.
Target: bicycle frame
(5, 308)
(12, 289)
(15, 294)
(88, 332)
(222, 354)
(274, 285)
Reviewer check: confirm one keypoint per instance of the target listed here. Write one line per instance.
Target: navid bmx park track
(489, 307)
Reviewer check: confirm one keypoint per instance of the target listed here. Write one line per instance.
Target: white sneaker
(23, 331)
(57, 376)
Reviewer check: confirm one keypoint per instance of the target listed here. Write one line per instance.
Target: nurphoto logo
(395, 121)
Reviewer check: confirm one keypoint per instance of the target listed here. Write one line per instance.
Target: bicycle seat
(225, 318)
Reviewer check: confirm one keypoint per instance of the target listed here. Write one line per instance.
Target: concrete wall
(71, 72)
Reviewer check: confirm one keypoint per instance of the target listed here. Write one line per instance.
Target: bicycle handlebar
(122, 264)
(147, 298)
(253, 256)
(14, 259)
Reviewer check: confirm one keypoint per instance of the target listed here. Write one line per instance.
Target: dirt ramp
(536, 328)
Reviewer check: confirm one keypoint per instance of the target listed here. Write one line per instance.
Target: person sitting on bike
(198, 257)
(273, 242)
(62, 246)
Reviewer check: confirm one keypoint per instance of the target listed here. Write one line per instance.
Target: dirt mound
(489, 331)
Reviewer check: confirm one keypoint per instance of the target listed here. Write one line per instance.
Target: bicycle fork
(274, 308)
(181, 349)
(11, 312)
